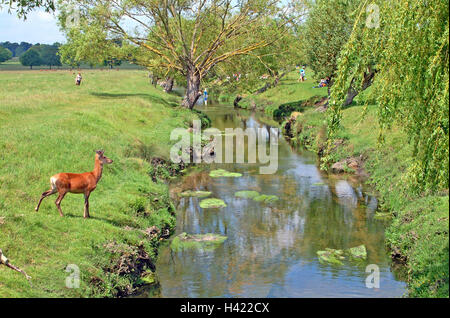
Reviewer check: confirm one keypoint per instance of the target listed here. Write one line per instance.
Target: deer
(76, 183)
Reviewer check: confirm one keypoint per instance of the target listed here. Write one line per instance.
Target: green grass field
(14, 65)
(49, 125)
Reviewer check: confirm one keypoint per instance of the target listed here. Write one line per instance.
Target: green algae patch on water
(212, 203)
(266, 198)
(197, 194)
(331, 256)
(256, 196)
(224, 173)
(247, 194)
(335, 257)
(207, 241)
(357, 253)
(383, 216)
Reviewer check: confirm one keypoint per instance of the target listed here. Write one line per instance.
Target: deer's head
(102, 158)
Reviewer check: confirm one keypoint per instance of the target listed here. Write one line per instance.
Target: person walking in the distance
(302, 74)
(78, 79)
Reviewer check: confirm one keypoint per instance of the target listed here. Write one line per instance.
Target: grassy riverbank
(417, 234)
(48, 125)
(288, 91)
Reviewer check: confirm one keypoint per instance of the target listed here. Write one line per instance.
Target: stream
(271, 249)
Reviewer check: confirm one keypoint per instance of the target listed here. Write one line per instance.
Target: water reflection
(271, 249)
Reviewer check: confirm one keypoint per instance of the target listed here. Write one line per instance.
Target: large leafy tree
(48, 54)
(409, 43)
(187, 37)
(5, 54)
(10, 46)
(31, 58)
(264, 67)
(327, 30)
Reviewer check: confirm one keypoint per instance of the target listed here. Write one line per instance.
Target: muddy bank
(131, 266)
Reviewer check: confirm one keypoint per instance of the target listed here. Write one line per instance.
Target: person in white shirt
(78, 79)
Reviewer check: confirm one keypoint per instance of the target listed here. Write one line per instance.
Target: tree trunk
(264, 88)
(330, 83)
(155, 80)
(169, 85)
(270, 85)
(236, 101)
(278, 78)
(192, 90)
(352, 92)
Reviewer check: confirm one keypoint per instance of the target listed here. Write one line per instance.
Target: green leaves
(410, 52)
(23, 7)
(5, 54)
(31, 58)
(327, 29)
(208, 41)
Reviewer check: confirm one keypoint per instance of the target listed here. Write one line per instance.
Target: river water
(270, 249)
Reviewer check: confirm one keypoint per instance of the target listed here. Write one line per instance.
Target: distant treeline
(42, 54)
(34, 54)
(16, 48)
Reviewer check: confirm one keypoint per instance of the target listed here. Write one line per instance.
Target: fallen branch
(5, 261)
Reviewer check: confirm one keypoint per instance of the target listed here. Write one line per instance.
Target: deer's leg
(86, 204)
(44, 195)
(58, 202)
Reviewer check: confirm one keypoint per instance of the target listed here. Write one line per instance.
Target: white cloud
(39, 27)
(45, 16)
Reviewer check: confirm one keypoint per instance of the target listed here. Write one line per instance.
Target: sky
(39, 27)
